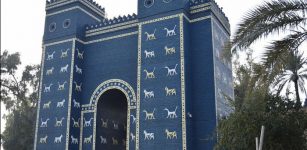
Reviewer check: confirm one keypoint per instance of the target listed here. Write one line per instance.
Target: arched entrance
(111, 93)
(111, 125)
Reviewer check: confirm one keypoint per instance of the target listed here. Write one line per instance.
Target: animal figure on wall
(43, 139)
(132, 137)
(50, 71)
(64, 69)
(61, 104)
(170, 32)
(170, 135)
(59, 123)
(170, 92)
(50, 56)
(58, 139)
(88, 123)
(76, 123)
(78, 70)
(169, 51)
(78, 87)
(171, 72)
(150, 36)
(149, 94)
(44, 124)
(149, 116)
(47, 105)
(190, 115)
(103, 140)
(64, 53)
(149, 54)
(148, 136)
(80, 54)
(62, 86)
(133, 119)
(114, 141)
(104, 124)
(150, 75)
(48, 88)
(88, 140)
(76, 104)
(171, 114)
(74, 140)
(115, 125)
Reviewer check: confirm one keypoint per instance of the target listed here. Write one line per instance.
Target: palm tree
(270, 18)
(293, 71)
(273, 17)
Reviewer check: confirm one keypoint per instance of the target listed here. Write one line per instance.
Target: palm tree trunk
(298, 101)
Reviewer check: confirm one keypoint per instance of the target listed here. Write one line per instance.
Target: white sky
(22, 23)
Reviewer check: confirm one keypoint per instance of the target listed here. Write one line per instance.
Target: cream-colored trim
(200, 19)
(112, 26)
(113, 82)
(73, 8)
(111, 30)
(199, 6)
(81, 130)
(70, 92)
(59, 42)
(58, 2)
(184, 139)
(86, 3)
(160, 19)
(200, 10)
(112, 37)
(137, 138)
(93, 41)
(39, 96)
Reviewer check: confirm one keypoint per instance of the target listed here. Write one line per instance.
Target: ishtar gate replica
(151, 81)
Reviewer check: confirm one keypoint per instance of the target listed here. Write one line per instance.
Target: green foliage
(20, 96)
(292, 70)
(255, 106)
(284, 127)
(282, 56)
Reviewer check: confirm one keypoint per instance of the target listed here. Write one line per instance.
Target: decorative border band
(73, 8)
(39, 96)
(65, 2)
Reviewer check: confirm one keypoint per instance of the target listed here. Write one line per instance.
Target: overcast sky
(22, 22)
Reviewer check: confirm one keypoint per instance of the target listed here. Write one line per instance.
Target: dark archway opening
(111, 124)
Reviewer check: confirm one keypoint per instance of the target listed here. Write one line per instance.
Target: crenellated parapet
(119, 21)
(218, 11)
(50, 4)
(197, 6)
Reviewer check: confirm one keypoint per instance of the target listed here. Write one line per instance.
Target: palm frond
(270, 17)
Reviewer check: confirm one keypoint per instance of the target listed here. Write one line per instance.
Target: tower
(61, 84)
(146, 81)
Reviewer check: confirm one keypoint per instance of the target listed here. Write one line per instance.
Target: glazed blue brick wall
(188, 83)
(157, 9)
(158, 84)
(203, 96)
(117, 59)
(98, 58)
(55, 96)
(76, 96)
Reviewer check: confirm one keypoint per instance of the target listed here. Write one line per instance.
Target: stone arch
(125, 88)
